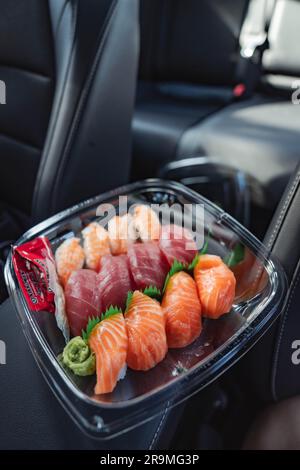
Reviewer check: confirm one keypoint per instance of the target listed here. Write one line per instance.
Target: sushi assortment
(124, 295)
(134, 291)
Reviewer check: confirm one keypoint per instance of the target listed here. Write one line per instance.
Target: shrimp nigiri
(69, 257)
(146, 223)
(95, 245)
(182, 310)
(216, 286)
(121, 233)
(147, 342)
(108, 341)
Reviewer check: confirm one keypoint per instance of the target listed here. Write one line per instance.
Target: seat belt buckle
(252, 44)
(239, 91)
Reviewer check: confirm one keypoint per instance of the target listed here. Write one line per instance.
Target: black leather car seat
(172, 120)
(189, 54)
(261, 136)
(70, 70)
(272, 367)
(272, 364)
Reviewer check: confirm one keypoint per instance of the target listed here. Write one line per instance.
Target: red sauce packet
(32, 264)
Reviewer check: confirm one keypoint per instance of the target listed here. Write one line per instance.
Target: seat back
(70, 70)
(88, 146)
(27, 67)
(281, 61)
(195, 41)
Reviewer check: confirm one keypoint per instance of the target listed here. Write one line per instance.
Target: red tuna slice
(114, 281)
(177, 243)
(82, 300)
(147, 264)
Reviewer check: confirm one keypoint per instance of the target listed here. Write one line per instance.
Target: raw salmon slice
(108, 340)
(216, 286)
(69, 257)
(82, 300)
(146, 223)
(182, 310)
(95, 244)
(147, 342)
(121, 234)
(176, 243)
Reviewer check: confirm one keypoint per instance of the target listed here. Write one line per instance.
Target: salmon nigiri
(146, 223)
(182, 310)
(95, 245)
(69, 257)
(216, 286)
(147, 342)
(108, 341)
(121, 233)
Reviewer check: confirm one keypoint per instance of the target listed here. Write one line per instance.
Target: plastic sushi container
(261, 287)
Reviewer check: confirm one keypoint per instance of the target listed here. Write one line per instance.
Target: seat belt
(253, 43)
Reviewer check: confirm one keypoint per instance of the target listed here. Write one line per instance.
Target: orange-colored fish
(182, 309)
(69, 257)
(120, 230)
(251, 276)
(216, 286)
(108, 340)
(95, 245)
(147, 342)
(146, 223)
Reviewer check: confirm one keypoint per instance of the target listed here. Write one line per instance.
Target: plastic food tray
(261, 287)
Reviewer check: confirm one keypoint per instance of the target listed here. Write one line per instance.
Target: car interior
(100, 93)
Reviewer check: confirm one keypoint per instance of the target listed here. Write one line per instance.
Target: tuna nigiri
(121, 233)
(82, 301)
(108, 341)
(69, 257)
(147, 342)
(146, 223)
(176, 243)
(182, 310)
(114, 281)
(147, 264)
(95, 244)
(216, 286)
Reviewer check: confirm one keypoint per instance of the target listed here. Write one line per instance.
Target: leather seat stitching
(283, 212)
(291, 294)
(270, 245)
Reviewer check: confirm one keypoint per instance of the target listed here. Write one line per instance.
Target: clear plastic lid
(261, 286)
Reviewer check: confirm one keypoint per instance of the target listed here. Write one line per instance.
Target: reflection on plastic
(2, 92)
(2, 353)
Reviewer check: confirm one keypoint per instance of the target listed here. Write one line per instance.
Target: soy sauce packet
(35, 269)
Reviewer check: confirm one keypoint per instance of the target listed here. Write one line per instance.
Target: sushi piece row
(98, 242)
(141, 338)
(145, 264)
